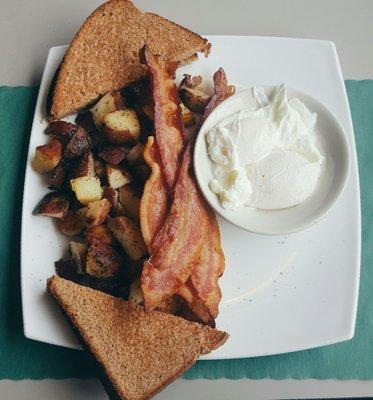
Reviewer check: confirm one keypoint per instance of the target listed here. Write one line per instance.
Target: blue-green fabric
(21, 358)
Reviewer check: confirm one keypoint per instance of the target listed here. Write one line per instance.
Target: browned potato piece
(130, 200)
(58, 176)
(117, 177)
(109, 103)
(48, 156)
(78, 145)
(97, 212)
(187, 117)
(129, 235)
(102, 260)
(136, 155)
(113, 154)
(78, 252)
(121, 127)
(52, 205)
(112, 195)
(62, 129)
(73, 222)
(101, 232)
(192, 95)
(86, 166)
(87, 189)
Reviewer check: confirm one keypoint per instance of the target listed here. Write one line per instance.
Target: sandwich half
(104, 54)
(138, 353)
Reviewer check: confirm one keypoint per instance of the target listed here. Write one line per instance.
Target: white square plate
(280, 293)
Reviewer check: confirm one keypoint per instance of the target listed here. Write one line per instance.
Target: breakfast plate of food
(174, 201)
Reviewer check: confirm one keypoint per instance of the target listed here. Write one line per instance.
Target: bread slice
(104, 55)
(140, 353)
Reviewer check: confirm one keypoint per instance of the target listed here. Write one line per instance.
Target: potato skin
(52, 205)
(72, 223)
(113, 154)
(101, 232)
(85, 167)
(97, 212)
(102, 260)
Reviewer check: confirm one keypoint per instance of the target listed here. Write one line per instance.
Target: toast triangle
(139, 353)
(104, 54)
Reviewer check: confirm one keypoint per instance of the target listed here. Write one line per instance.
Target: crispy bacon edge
(154, 203)
(168, 126)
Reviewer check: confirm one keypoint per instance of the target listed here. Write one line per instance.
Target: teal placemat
(21, 358)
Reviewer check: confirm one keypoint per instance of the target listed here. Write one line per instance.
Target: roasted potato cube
(129, 235)
(113, 154)
(78, 145)
(121, 127)
(130, 200)
(86, 166)
(117, 177)
(186, 116)
(109, 103)
(136, 155)
(61, 129)
(97, 212)
(112, 195)
(102, 260)
(48, 156)
(136, 296)
(73, 222)
(78, 252)
(192, 95)
(52, 205)
(58, 176)
(87, 189)
(100, 232)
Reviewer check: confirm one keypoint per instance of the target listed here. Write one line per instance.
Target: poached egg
(265, 157)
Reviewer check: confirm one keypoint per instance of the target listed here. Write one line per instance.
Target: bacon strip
(221, 92)
(187, 258)
(210, 267)
(154, 203)
(202, 291)
(177, 246)
(168, 127)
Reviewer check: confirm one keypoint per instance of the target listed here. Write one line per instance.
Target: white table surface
(29, 28)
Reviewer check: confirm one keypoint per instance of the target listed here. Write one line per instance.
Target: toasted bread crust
(140, 353)
(103, 55)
